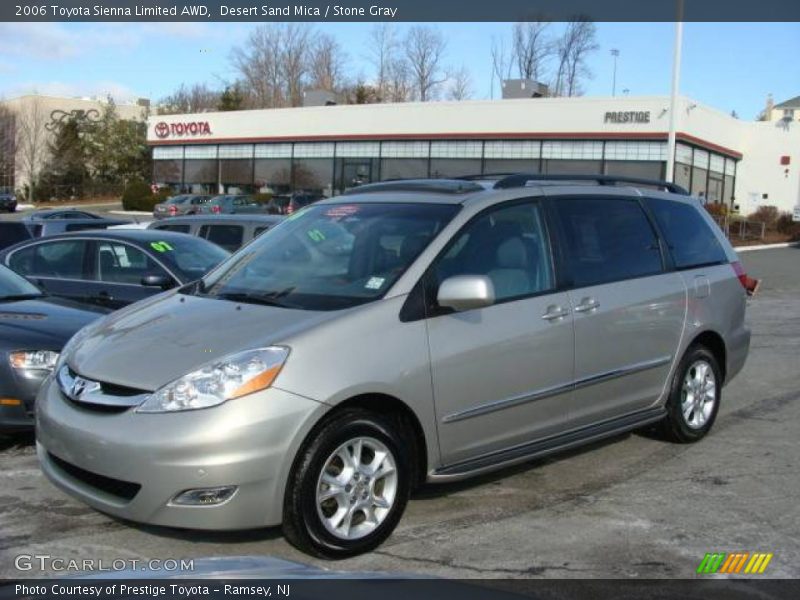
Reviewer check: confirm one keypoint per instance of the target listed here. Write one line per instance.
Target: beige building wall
(38, 111)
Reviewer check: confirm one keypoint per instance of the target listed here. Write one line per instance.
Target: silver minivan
(406, 332)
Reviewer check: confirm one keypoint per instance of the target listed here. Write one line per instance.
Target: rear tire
(694, 397)
(348, 487)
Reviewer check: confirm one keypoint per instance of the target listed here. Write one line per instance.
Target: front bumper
(249, 442)
(22, 387)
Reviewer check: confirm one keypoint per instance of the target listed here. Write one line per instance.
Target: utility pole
(615, 54)
(673, 98)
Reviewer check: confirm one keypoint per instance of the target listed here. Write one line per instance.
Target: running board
(558, 443)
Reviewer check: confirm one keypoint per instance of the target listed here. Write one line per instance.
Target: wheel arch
(716, 345)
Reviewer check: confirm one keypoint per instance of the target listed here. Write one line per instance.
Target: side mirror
(159, 281)
(466, 292)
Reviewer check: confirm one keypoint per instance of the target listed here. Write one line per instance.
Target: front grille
(114, 487)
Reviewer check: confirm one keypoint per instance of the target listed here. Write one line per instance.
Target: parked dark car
(60, 213)
(33, 329)
(185, 204)
(230, 204)
(287, 204)
(229, 231)
(112, 268)
(12, 232)
(8, 202)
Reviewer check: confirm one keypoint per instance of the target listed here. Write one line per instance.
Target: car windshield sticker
(339, 212)
(161, 246)
(374, 283)
(316, 235)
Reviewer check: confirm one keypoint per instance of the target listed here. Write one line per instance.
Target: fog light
(205, 496)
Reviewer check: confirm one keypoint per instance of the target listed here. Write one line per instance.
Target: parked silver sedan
(184, 204)
(407, 332)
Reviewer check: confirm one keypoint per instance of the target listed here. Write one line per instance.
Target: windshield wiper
(265, 299)
(15, 297)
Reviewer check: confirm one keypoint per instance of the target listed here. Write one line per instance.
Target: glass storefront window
(510, 165)
(168, 172)
(699, 183)
(238, 172)
(353, 172)
(571, 167)
(403, 168)
(642, 169)
(455, 167)
(201, 175)
(313, 175)
(273, 175)
(683, 175)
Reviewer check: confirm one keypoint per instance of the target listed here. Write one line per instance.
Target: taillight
(173, 209)
(215, 209)
(739, 270)
(289, 209)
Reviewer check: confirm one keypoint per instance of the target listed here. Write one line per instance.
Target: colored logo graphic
(162, 129)
(743, 563)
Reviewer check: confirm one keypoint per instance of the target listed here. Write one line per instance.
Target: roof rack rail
(435, 186)
(522, 179)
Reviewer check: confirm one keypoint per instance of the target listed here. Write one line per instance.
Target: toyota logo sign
(182, 129)
(162, 129)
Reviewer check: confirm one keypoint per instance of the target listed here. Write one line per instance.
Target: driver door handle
(554, 313)
(587, 305)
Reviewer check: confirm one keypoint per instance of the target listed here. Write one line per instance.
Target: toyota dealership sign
(182, 129)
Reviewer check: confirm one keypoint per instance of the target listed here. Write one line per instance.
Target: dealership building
(329, 149)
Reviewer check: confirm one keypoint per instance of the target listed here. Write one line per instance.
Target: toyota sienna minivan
(406, 332)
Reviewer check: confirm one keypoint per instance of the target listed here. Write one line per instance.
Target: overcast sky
(731, 66)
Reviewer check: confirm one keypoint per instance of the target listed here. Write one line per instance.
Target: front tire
(694, 397)
(349, 486)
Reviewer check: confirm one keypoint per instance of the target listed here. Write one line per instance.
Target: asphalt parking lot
(629, 507)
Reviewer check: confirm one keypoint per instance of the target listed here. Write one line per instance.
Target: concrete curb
(766, 246)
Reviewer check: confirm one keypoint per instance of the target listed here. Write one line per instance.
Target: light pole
(615, 54)
(673, 98)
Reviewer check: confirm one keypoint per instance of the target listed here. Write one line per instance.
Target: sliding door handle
(587, 305)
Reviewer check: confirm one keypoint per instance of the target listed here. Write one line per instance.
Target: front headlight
(33, 360)
(231, 377)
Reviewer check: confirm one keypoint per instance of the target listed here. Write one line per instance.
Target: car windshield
(331, 256)
(13, 286)
(190, 256)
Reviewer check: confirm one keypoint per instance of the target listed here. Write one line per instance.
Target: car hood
(45, 323)
(153, 342)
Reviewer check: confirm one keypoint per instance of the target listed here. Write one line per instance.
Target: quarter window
(62, 259)
(606, 239)
(689, 237)
(509, 246)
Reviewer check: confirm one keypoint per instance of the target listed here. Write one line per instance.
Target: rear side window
(62, 259)
(690, 239)
(606, 239)
(228, 236)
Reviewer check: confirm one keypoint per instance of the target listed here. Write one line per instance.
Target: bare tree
(31, 142)
(425, 48)
(399, 84)
(383, 54)
(327, 63)
(197, 98)
(531, 48)
(501, 64)
(294, 60)
(460, 85)
(577, 42)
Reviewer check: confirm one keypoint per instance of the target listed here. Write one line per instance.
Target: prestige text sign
(627, 116)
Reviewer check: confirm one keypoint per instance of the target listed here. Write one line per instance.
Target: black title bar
(399, 10)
